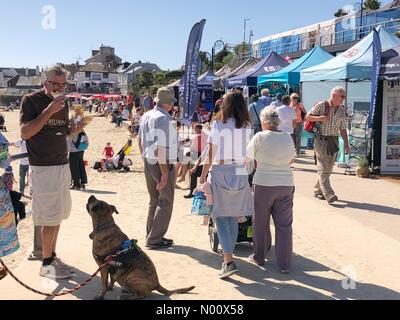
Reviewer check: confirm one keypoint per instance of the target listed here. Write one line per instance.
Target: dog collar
(101, 228)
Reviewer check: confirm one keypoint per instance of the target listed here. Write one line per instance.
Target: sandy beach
(328, 240)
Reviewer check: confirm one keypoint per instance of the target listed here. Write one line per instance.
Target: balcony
(338, 40)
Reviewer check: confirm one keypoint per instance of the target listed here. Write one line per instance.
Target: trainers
(319, 196)
(66, 267)
(333, 199)
(34, 257)
(54, 271)
(228, 270)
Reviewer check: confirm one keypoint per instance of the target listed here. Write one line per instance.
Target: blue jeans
(23, 170)
(228, 230)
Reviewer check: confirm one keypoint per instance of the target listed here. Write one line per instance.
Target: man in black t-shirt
(45, 126)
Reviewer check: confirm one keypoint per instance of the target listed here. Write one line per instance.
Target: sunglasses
(57, 84)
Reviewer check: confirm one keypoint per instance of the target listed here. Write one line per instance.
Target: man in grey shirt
(158, 146)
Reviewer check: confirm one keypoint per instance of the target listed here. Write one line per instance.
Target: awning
(390, 66)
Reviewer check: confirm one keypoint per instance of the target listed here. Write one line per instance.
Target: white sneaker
(54, 271)
(64, 266)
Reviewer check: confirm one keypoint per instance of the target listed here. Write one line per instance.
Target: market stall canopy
(272, 63)
(174, 84)
(390, 67)
(355, 64)
(225, 70)
(291, 74)
(74, 96)
(206, 80)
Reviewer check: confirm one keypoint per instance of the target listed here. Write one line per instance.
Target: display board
(390, 161)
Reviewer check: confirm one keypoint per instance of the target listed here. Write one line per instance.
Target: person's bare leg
(55, 238)
(228, 258)
(178, 167)
(185, 169)
(48, 234)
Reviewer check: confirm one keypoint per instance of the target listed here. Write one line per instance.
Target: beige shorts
(51, 196)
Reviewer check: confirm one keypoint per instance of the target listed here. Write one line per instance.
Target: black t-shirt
(49, 146)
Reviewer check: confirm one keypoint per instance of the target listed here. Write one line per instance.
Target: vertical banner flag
(376, 65)
(191, 94)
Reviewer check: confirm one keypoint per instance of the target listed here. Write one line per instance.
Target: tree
(341, 13)
(372, 4)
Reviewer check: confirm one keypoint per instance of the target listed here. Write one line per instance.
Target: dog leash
(108, 261)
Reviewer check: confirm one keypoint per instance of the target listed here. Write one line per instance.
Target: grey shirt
(157, 130)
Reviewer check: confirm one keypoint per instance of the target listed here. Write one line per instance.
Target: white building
(96, 78)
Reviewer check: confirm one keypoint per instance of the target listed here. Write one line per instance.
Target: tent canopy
(355, 64)
(206, 79)
(226, 69)
(390, 66)
(272, 63)
(291, 74)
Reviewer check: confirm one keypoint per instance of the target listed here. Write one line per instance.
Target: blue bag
(199, 205)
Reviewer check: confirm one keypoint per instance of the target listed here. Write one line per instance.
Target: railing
(338, 37)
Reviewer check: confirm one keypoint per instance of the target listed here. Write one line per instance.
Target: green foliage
(170, 76)
(363, 162)
(372, 4)
(341, 13)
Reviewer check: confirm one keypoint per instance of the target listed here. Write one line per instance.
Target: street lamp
(208, 55)
(218, 45)
(361, 9)
(250, 37)
(244, 34)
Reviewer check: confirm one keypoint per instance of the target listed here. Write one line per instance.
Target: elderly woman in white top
(273, 191)
(232, 197)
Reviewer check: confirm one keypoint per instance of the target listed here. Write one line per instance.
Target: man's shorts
(51, 195)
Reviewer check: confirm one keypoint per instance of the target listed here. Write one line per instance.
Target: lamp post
(244, 34)
(208, 55)
(218, 45)
(361, 4)
(250, 38)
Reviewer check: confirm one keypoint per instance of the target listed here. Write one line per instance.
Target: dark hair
(286, 100)
(198, 127)
(235, 107)
(178, 124)
(255, 97)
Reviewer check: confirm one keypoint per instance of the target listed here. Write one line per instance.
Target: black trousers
(193, 178)
(77, 166)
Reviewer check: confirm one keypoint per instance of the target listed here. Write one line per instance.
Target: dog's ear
(113, 209)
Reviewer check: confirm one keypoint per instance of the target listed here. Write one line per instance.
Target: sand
(323, 248)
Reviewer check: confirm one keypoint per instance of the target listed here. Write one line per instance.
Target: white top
(21, 144)
(231, 142)
(125, 114)
(273, 151)
(287, 115)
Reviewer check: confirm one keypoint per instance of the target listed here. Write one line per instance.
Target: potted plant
(362, 170)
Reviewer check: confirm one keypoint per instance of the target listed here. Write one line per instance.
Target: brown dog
(137, 273)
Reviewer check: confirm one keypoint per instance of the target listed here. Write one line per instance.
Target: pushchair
(245, 233)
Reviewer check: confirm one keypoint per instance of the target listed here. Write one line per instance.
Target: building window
(87, 74)
(105, 75)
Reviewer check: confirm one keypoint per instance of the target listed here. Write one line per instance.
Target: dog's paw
(98, 298)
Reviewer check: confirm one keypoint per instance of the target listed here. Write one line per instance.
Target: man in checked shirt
(331, 119)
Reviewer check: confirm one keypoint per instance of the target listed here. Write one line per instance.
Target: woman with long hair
(232, 198)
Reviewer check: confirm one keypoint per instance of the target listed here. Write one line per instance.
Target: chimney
(27, 72)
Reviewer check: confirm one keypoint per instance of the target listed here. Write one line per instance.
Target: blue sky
(151, 30)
